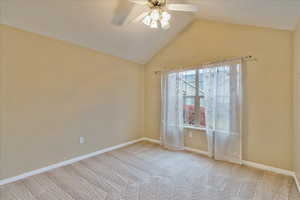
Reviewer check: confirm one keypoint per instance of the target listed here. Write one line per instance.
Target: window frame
(197, 103)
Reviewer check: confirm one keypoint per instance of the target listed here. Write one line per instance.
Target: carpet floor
(146, 171)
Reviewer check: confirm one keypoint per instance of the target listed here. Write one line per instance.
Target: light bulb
(165, 16)
(165, 24)
(154, 24)
(155, 15)
(147, 20)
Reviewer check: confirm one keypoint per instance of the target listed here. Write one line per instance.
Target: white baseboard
(268, 168)
(205, 153)
(246, 163)
(151, 140)
(297, 182)
(73, 160)
(67, 162)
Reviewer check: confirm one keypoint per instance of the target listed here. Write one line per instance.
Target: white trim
(204, 153)
(73, 160)
(195, 128)
(246, 163)
(268, 168)
(67, 162)
(297, 182)
(151, 140)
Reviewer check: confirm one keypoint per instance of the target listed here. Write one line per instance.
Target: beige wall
(297, 100)
(53, 92)
(268, 134)
(1, 130)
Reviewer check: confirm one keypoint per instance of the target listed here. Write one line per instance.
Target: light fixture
(165, 24)
(147, 20)
(157, 17)
(155, 14)
(154, 24)
(165, 16)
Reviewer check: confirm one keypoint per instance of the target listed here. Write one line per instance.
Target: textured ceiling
(277, 14)
(87, 22)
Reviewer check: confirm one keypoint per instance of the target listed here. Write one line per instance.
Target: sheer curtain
(223, 92)
(223, 100)
(172, 125)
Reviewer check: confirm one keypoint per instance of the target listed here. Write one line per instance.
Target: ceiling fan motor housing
(157, 3)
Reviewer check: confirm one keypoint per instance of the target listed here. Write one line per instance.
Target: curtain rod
(248, 58)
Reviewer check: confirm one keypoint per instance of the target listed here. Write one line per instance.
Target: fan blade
(122, 12)
(183, 7)
(141, 2)
(140, 17)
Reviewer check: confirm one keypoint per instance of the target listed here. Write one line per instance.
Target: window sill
(195, 128)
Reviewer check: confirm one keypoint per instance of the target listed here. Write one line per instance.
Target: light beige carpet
(146, 171)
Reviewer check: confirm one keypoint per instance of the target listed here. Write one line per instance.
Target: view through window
(194, 110)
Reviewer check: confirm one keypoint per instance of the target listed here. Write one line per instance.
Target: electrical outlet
(190, 134)
(81, 140)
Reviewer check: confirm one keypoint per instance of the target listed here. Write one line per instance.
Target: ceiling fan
(157, 11)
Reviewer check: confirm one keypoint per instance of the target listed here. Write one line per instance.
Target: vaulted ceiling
(88, 22)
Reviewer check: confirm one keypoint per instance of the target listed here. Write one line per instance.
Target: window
(194, 109)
